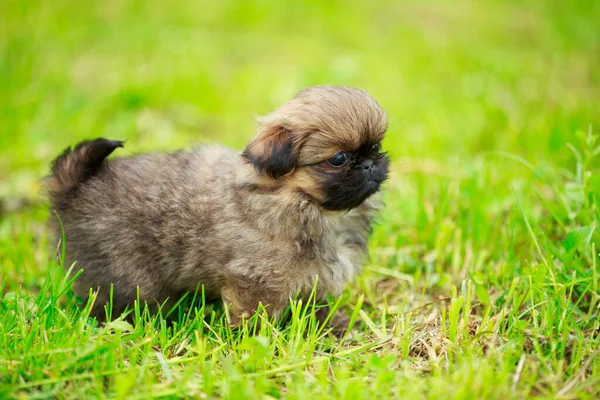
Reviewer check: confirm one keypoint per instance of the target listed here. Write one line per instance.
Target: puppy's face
(326, 142)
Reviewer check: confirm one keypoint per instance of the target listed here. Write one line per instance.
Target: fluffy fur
(252, 228)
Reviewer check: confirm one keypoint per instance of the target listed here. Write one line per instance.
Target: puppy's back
(127, 222)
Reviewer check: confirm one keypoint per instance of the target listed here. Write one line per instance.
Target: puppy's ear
(272, 151)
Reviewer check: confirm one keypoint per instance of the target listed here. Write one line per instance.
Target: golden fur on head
(315, 124)
(297, 139)
(253, 228)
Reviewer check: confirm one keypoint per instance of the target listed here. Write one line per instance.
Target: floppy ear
(272, 151)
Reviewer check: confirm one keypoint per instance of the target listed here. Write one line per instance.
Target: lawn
(485, 268)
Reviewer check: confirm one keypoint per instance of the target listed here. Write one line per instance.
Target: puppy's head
(326, 142)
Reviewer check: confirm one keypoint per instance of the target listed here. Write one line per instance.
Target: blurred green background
(457, 77)
(475, 90)
(482, 260)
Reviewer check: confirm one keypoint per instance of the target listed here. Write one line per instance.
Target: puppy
(256, 227)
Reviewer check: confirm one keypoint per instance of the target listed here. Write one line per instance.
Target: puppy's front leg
(243, 301)
(338, 322)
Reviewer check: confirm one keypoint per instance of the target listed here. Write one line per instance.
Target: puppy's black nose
(367, 164)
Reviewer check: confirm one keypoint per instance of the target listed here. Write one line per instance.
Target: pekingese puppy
(256, 227)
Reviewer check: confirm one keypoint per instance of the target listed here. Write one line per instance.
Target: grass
(485, 269)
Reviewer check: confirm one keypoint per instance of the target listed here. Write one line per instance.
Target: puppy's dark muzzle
(375, 171)
(367, 165)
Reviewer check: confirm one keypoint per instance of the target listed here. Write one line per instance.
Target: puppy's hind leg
(338, 322)
(243, 301)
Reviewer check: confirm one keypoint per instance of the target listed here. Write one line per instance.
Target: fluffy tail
(74, 167)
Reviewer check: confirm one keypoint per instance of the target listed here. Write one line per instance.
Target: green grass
(485, 270)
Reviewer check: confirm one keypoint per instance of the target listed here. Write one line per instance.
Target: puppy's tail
(75, 166)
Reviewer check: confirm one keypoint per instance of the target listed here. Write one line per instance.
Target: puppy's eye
(376, 147)
(339, 160)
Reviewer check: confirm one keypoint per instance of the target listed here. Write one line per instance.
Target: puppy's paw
(339, 323)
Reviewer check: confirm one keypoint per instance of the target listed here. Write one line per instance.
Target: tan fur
(240, 227)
